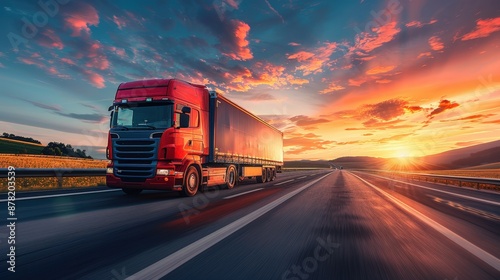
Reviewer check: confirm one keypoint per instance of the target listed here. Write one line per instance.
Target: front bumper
(158, 182)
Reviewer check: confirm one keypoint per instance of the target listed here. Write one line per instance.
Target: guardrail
(59, 173)
(448, 178)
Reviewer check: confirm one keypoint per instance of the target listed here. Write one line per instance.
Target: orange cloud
(313, 61)
(443, 106)
(331, 88)
(484, 27)
(296, 81)
(262, 73)
(380, 70)
(368, 41)
(418, 24)
(242, 51)
(301, 56)
(425, 54)
(81, 19)
(97, 58)
(95, 79)
(436, 43)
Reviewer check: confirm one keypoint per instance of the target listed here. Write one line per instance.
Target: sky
(393, 78)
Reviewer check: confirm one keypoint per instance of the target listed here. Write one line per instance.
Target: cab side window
(194, 116)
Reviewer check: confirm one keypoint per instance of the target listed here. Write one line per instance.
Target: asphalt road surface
(318, 224)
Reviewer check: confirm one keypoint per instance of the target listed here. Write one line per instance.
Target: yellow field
(32, 161)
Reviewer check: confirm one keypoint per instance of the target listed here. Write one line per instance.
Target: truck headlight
(109, 170)
(164, 172)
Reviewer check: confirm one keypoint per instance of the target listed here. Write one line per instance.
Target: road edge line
(59, 195)
(460, 241)
(437, 190)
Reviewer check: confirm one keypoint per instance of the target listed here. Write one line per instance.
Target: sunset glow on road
(373, 78)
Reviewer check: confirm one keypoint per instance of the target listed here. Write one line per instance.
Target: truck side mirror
(184, 117)
(184, 120)
(186, 110)
(111, 118)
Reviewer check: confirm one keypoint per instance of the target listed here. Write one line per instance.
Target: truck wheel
(269, 174)
(130, 191)
(273, 174)
(231, 177)
(191, 182)
(263, 178)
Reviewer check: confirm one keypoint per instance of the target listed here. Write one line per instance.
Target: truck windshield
(142, 116)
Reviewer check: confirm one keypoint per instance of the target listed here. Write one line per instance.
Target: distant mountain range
(481, 154)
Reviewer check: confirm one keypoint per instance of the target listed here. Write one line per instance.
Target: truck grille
(135, 159)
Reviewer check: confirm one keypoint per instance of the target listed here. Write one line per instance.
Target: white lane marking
(301, 177)
(476, 251)
(243, 193)
(450, 193)
(59, 195)
(178, 258)
(281, 183)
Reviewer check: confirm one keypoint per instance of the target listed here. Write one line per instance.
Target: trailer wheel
(231, 177)
(263, 178)
(130, 191)
(191, 182)
(269, 175)
(273, 174)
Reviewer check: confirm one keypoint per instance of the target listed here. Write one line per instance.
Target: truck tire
(130, 191)
(231, 177)
(269, 175)
(191, 182)
(273, 174)
(263, 178)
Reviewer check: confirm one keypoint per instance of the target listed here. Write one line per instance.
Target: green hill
(8, 146)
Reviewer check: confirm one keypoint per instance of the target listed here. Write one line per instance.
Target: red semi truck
(168, 134)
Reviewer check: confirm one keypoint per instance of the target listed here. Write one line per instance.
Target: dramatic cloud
(81, 17)
(418, 24)
(484, 27)
(332, 87)
(380, 70)
(368, 41)
(94, 78)
(443, 106)
(385, 110)
(436, 43)
(313, 61)
(262, 73)
(242, 50)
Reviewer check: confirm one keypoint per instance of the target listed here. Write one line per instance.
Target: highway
(315, 224)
